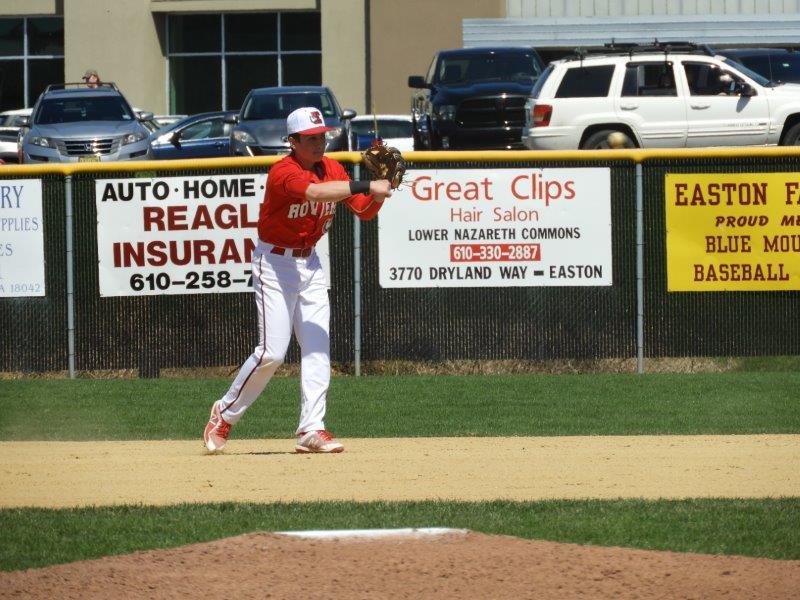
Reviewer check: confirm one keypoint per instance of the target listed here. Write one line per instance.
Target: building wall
(120, 39)
(343, 51)
(403, 37)
(30, 8)
(526, 9)
(89, 25)
(230, 5)
(370, 47)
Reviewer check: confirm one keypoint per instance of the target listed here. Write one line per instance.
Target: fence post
(70, 279)
(357, 284)
(639, 270)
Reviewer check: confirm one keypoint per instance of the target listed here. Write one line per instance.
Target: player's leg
(275, 305)
(275, 302)
(311, 327)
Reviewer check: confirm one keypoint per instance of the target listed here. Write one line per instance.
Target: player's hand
(380, 189)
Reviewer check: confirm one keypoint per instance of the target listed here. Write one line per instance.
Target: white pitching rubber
(375, 533)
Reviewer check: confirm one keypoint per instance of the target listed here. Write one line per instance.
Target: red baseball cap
(306, 121)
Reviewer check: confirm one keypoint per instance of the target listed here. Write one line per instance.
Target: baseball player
(290, 287)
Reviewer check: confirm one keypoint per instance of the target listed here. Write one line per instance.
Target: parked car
(14, 118)
(154, 123)
(393, 130)
(261, 124)
(473, 98)
(150, 123)
(10, 129)
(71, 122)
(658, 96)
(779, 65)
(164, 120)
(205, 135)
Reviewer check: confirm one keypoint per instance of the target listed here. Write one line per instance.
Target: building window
(215, 59)
(31, 58)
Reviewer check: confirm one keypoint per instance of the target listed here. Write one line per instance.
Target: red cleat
(317, 441)
(217, 431)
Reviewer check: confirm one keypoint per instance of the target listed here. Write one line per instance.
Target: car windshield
(278, 106)
(783, 67)
(72, 110)
(387, 128)
(11, 120)
(537, 87)
(485, 67)
(760, 80)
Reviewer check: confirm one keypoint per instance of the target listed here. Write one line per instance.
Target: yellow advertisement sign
(733, 232)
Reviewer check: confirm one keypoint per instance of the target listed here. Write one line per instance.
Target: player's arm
(366, 207)
(336, 191)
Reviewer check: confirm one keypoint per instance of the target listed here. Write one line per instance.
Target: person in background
(91, 78)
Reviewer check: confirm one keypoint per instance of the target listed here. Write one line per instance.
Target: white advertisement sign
(180, 235)
(497, 228)
(21, 238)
(177, 235)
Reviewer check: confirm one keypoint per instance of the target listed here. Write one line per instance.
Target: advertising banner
(21, 238)
(180, 235)
(497, 228)
(733, 232)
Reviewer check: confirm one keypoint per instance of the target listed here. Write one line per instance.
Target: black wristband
(359, 187)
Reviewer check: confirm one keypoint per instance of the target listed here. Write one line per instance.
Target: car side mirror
(417, 81)
(175, 139)
(144, 116)
(232, 120)
(348, 113)
(25, 122)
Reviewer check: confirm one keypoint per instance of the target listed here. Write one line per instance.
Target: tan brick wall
(403, 37)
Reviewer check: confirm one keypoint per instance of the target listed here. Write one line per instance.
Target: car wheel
(792, 137)
(608, 138)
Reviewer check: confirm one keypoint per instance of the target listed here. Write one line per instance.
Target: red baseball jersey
(287, 219)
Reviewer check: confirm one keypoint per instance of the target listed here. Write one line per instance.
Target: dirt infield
(65, 474)
(459, 566)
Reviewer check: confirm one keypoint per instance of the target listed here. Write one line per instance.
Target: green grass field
(608, 404)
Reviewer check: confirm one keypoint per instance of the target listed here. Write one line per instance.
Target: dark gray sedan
(261, 124)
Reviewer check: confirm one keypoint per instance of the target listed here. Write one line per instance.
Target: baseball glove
(385, 162)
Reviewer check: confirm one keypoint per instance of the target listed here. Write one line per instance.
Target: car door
(202, 139)
(718, 115)
(649, 102)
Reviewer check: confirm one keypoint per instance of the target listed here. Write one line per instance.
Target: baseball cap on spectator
(89, 73)
(306, 121)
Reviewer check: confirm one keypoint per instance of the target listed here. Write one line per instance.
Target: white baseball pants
(291, 295)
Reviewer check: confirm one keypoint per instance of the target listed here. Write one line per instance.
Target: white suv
(657, 97)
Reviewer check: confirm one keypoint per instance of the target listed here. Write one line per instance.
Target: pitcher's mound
(457, 565)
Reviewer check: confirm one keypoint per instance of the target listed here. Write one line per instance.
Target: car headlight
(132, 138)
(44, 142)
(333, 134)
(243, 137)
(445, 112)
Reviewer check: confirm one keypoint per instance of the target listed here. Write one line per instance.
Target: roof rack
(631, 48)
(81, 84)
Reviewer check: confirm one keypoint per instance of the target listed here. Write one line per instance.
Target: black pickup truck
(473, 98)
